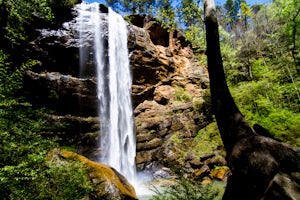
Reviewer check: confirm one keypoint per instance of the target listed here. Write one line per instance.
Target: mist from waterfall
(105, 37)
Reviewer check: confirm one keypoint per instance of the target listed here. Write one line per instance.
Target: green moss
(198, 104)
(175, 138)
(221, 167)
(178, 147)
(181, 95)
(92, 134)
(53, 95)
(129, 18)
(207, 140)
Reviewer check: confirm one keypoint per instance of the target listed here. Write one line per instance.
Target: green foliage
(233, 66)
(23, 170)
(18, 15)
(184, 189)
(132, 7)
(55, 4)
(190, 17)
(23, 148)
(198, 105)
(187, 14)
(283, 124)
(18, 19)
(232, 9)
(191, 12)
(267, 102)
(207, 140)
(166, 14)
(289, 16)
(35, 180)
(67, 181)
(179, 147)
(245, 10)
(181, 95)
(262, 66)
(196, 35)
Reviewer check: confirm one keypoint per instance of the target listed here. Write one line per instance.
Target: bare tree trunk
(171, 41)
(224, 107)
(294, 39)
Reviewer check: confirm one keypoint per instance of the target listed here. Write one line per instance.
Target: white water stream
(105, 36)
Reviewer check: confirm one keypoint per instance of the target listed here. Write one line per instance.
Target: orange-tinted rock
(112, 183)
(163, 94)
(206, 180)
(199, 174)
(220, 174)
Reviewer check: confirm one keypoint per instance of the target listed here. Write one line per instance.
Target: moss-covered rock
(109, 183)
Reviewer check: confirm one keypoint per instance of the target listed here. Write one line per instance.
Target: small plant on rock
(186, 190)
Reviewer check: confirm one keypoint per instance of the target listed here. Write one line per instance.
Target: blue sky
(219, 2)
(249, 2)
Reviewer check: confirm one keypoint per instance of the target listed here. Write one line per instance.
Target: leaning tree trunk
(262, 168)
(227, 113)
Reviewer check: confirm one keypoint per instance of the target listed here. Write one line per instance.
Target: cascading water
(114, 80)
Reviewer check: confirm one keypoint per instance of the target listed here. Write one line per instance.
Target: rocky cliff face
(167, 92)
(168, 89)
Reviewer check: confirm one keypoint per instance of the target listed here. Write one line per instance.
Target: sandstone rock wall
(167, 85)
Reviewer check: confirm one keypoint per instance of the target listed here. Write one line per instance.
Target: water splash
(109, 47)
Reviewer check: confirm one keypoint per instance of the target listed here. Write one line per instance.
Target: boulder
(163, 94)
(201, 173)
(220, 174)
(196, 164)
(164, 173)
(110, 183)
(207, 156)
(152, 144)
(283, 186)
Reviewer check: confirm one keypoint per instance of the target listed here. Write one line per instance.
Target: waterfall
(105, 37)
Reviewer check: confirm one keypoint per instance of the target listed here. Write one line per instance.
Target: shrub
(186, 190)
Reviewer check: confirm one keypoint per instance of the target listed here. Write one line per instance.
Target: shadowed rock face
(63, 93)
(167, 90)
(263, 168)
